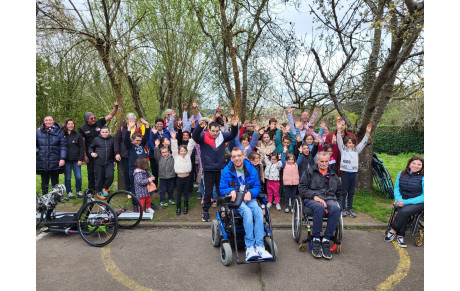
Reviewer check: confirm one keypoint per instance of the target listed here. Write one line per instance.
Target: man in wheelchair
(240, 175)
(321, 190)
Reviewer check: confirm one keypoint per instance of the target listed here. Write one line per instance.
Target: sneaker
(278, 206)
(163, 204)
(351, 213)
(172, 202)
(389, 237)
(263, 254)
(195, 185)
(269, 204)
(286, 209)
(344, 213)
(150, 210)
(326, 250)
(105, 192)
(400, 241)
(251, 254)
(214, 204)
(79, 194)
(199, 197)
(205, 217)
(70, 195)
(100, 195)
(153, 206)
(316, 249)
(292, 209)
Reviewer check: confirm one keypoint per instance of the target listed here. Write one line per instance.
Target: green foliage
(395, 140)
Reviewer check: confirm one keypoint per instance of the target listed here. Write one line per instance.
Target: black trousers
(183, 190)
(211, 178)
(402, 217)
(46, 179)
(91, 174)
(104, 176)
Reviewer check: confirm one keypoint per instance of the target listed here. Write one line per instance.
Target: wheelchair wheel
(215, 233)
(378, 179)
(419, 238)
(272, 247)
(297, 220)
(226, 255)
(97, 223)
(126, 204)
(39, 213)
(388, 184)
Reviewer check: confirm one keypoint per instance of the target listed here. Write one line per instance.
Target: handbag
(151, 187)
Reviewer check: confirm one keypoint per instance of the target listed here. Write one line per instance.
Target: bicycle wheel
(388, 184)
(97, 223)
(126, 205)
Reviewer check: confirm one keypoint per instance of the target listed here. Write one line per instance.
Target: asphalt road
(183, 259)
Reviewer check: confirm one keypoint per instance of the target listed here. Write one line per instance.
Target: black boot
(178, 209)
(186, 207)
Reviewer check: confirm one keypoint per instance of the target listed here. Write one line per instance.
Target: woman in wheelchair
(409, 198)
(240, 175)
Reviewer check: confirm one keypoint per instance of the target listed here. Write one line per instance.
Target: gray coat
(165, 165)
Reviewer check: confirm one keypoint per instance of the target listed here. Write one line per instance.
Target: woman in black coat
(51, 152)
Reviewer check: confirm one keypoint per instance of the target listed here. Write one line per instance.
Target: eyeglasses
(92, 118)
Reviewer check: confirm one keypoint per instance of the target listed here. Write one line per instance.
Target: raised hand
(298, 124)
(318, 140)
(185, 106)
(315, 111)
(173, 112)
(235, 120)
(144, 122)
(131, 124)
(334, 139)
(285, 149)
(202, 124)
(157, 142)
(298, 138)
(322, 124)
(369, 128)
(289, 109)
(232, 111)
(173, 134)
(312, 122)
(154, 130)
(195, 104)
(193, 122)
(115, 104)
(287, 128)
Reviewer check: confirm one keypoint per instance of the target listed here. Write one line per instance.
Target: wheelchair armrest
(238, 200)
(262, 198)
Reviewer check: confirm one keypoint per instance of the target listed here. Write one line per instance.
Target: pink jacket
(291, 174)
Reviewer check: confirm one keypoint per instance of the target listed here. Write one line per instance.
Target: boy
(166, 173)
(101, 150)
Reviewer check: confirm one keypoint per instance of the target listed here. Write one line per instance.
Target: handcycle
(381, 177)
(96, 221)
(301, 218)
(228, 231)
(415, 224)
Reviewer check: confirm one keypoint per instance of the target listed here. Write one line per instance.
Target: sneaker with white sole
(79, 194)
(400, 241)
(205, 217)
(286, 209)
(251, 254)
(344, 213)
(278, 206)
(326, 249)
(172, 202)
(389, 237)
(263, 253)
(316, 249)
(351, 213)
(269, 204)
(163, 204)
(150, 210)
(70, 195)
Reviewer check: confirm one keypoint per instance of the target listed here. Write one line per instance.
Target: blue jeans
(318, 213)
(253, 223)
(349, 181)
(68, 168)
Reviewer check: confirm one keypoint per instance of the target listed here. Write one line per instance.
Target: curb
(145, 224)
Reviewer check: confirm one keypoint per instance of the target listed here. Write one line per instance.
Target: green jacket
(279, 147)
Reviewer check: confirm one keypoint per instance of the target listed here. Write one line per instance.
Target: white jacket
(349, 160)
(272, 171)
(182, 165)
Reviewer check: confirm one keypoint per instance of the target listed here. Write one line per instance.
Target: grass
(376, 204)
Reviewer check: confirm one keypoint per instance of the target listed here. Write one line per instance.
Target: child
(265, 146)
(245, 145)
(142, 178)
(309, 140)
(101, 149)
(349, 165)
(135, 147)
(284, 138)
(306, 156)
(272, 172)
(254, 158)
(165, 172)
(290, 178)
(182, 167)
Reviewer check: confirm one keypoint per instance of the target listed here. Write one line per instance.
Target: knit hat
(88, 115)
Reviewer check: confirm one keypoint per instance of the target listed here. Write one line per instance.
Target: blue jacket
(50, 148)
(153, 137)
(229, 180)
(409, 188)
(134, 152)
(212, 157)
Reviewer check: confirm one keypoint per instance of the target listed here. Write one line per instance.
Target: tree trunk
(120, 180)
(365, 178)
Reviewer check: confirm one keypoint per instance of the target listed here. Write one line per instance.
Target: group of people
(221, 156)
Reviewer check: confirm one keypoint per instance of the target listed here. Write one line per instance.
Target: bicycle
(96, 221)
(381, 177)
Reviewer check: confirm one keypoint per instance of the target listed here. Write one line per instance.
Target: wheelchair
(228, 231)
(415, 224)
(302, 217)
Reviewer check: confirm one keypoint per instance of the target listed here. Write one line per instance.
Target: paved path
(151, 258)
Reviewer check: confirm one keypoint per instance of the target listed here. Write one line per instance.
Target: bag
(151, 187)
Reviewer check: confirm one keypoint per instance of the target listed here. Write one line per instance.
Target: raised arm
(113, 112)
(361, 145)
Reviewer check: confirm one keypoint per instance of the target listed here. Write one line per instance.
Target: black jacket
(307, 161)
(50, 148)
(326, 187)
(103, 147)
(75, 147)
(89, 132)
